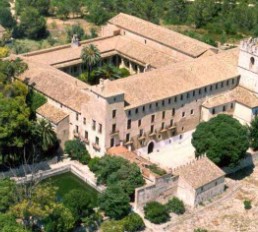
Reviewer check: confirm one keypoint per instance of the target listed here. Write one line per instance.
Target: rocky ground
(227, 214)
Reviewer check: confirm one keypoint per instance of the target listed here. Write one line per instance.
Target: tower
(248, 64)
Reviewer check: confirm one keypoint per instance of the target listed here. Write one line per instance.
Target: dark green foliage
(60, 220)
(223, 139)
(133, 223)
(176, 206)
(77, 150)
(94, 164)
(156, 212)
(75, 30)
(32, 25)
(253, 133)
(79, 203)
(112, 170)
(115, 202)
(9, 224)
(35, 100)
(41, 5)
(247, 204)
(155, 169)
(7, 194)
(200, 230)
(6, 18)
(176, 12)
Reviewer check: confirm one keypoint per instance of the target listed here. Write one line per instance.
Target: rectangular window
(216, 86)
(213, 111)
(162, 125)
(182, 97)
(192, 111)
(224, 108)
(113, 128)
(152, 129)
(150, 106)
(86, 135)
(93, 125)
(163, 103)
(183, 114)
(143, 109)
(222, 84)
(76, 129)
(211, 88)
(232, 105)
(129, 112)
(152, 118)
(157, 104)
(175, 99)
(200, 91)
(227, 82)
(129, 124)
(84, 121)
(193, 93)
(171, 122)
(169, 101)
(139, 123)
(163, 114)
(100, 128)
(141, 132)
(233, 81)
(173, 112)
(187, 95)
(127, 137)
(112, 142)
(97, 140)
(205, 89)
(113, 113)
(77, 116)
(136, 111)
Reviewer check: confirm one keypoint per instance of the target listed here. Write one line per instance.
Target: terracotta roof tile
(52, 113)
(199, 173)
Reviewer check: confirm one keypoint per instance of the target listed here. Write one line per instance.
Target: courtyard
(173, 155)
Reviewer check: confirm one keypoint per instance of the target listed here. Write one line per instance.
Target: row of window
(182, 96)
(224, 108)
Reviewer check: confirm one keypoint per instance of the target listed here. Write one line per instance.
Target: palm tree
(90, 56)
(45, 132)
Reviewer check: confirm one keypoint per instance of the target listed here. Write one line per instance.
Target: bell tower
(248, 64)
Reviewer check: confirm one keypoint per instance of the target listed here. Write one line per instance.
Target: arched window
(252, 61)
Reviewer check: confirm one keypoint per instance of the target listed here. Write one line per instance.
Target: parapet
(250, 45)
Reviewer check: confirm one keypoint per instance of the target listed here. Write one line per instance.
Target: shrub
(200, 230)
(4, 52)
(133, 223)
(94, 164)
(156, 212)
(77, 151)
(176, 206)
(247, 204)
(157, 170)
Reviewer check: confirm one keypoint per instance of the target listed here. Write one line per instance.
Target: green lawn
(67, 182)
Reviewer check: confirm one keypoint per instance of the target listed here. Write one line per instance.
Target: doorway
(150, 147)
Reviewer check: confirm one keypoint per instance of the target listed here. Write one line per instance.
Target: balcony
(85, 140)
(153, 133)
(163, 130)
(114, 133)
(76, 134)
(172, 127)
(129, 142)
(141, 137)
(96, 146)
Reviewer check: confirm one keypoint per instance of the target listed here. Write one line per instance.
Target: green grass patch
(67, 182)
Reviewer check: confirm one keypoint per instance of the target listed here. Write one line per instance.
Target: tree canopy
(253, 133)
(156, 212)
(223, 139)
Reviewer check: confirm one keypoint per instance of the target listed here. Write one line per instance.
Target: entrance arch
(150, 147)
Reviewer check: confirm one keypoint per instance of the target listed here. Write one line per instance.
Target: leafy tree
(41, 5)
(128, 177)
(34, 100)
(247, 204)
(94, 164)
(202, 11)
(253, 133)
(9, 224)
(177, 11)
(90, 56)
(60, 220)
(133, 223)
(115, 202)
(77, 150)
(6, 18)
(156, 212)
(32, 24)
(223, 139)
(79, 203)
(176, 206)
(7, 194)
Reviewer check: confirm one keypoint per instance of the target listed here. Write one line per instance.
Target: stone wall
(162, 190)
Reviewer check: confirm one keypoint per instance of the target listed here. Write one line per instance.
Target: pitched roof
(173, 79)
(55, 84)
(199, 173)
(238, 94)
(177, 41)
(52, 113)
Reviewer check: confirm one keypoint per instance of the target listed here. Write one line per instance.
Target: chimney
(75, 41)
